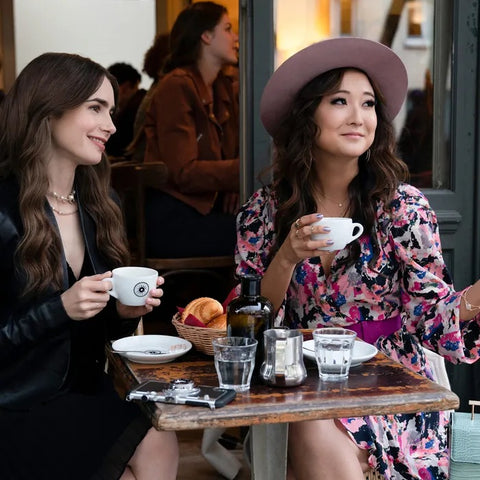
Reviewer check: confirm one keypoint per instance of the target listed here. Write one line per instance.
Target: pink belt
(371, 330)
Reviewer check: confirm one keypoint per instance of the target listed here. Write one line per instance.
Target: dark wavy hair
(294, 175)
(155, 56)
(185, 37)
(48, 86)
(125, 73)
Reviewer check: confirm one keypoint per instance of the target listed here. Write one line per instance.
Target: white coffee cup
(343, 231)
(131, 285)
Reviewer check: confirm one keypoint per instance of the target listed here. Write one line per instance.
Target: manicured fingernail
(327, 229)
(330, 242)
(319, 215)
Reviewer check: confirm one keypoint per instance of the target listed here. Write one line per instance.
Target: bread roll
(203, 308)
(220, 322)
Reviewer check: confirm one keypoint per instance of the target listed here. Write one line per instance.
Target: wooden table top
(377, 387)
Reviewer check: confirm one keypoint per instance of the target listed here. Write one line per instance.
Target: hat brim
(379, 62)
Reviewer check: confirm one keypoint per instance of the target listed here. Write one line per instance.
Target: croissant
(203, 308)
(219, 322)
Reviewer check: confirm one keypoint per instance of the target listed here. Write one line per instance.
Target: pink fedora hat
(379, 62)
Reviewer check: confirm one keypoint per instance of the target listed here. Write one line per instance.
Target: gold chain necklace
(339, 204)
(62, 213)
(329, 212)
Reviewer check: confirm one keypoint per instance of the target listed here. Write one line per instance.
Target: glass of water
(234, 361)
(333, 351)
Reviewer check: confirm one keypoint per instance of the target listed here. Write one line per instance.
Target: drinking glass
(234, 361)
(333, 351)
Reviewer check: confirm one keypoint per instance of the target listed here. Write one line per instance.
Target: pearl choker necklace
(65, 199)
(70, 198)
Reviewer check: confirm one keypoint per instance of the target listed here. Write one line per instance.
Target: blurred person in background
(193, 127)
(130, 96)
(152, 66)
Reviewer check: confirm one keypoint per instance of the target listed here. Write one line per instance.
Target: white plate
(175, 347)
(361, 351)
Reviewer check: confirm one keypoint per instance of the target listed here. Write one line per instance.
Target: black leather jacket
(35, 336)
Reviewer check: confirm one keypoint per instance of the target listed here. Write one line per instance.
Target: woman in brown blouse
(192, 126)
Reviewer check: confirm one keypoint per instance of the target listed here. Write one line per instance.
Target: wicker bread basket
(201, 337)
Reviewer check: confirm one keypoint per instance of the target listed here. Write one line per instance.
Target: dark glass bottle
(250, 314)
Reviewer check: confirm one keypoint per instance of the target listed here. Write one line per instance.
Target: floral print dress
(408, 280)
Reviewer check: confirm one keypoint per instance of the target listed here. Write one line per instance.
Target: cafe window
(419, 25)
(346, 17)
(407, 27)
(414, 19)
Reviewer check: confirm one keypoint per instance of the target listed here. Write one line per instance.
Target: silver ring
(297, 235)
(297, 224)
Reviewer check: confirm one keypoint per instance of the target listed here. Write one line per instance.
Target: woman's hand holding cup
(136, 290)
(314, 232)
(86, 297)
(153, 300)
(299, 245)
(339, 231)
(139, 288)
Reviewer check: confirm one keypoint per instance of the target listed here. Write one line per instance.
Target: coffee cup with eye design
(342, 232)
(131, 285)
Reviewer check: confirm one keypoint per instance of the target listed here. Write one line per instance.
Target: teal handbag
(465, 445)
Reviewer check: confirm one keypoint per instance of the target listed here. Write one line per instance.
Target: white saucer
(362, 351)
(173, 346)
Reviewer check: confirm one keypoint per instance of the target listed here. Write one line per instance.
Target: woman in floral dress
(329, 110)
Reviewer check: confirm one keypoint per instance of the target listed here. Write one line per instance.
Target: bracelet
(468, 305)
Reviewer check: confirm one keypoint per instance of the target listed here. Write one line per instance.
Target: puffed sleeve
(255, 233)
(255, 238)
(427, 293)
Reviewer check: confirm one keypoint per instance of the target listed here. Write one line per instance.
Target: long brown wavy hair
(48, 86)
(294, 175)
(185, 37)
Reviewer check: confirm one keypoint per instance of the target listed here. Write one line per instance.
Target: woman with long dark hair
(329, 109)
(192, 126)
(61, 234)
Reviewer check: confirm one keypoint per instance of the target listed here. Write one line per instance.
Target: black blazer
(35, 335)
